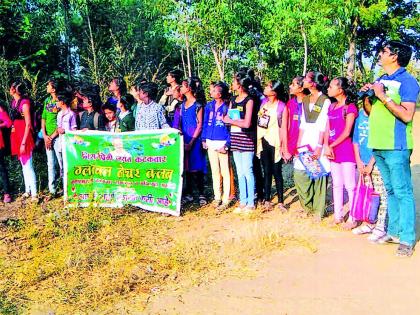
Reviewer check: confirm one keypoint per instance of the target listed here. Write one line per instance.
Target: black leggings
(270, 169)
(194, 179)
(3, 173)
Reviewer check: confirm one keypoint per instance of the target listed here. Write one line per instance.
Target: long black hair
(349, 89)
(196, 86)
(322, 82)
(278, 87)
(22, 87)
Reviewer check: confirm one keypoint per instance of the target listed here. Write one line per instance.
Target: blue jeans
(246, 180)
(53, 158)
(394, 166)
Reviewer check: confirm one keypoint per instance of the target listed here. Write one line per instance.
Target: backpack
(95, 119)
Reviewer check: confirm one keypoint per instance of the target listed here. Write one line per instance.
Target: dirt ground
(344, 275)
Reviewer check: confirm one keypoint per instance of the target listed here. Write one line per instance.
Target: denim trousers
(394, 166)
(246, 180)
(29, 177)
(54, 159)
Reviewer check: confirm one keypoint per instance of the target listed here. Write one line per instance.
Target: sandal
(362, 229)
(281, 207)
(350, 225)
(202, 200)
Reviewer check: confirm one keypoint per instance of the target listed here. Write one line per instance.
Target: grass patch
(77, 261)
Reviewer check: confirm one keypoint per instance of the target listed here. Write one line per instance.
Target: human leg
(338, 183)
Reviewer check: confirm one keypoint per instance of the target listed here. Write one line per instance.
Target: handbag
(366, 201)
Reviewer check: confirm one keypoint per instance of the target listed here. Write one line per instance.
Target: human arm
(161, 118)
(283, 134)
(28, 125)
(404, 110)
(197, 130)
(242, 123)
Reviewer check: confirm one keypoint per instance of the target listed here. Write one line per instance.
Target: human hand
(222, 150)
(188, 146)
(48, 142)
(286, 155)
(379, 90)
(22, 149)
(366, 87)
(205, 147)
(316, 154)
(60, 131)
(329, 153)
(367, 170)
(227, 120)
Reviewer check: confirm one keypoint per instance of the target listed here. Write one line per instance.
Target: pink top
(343, 152)
(295, 113)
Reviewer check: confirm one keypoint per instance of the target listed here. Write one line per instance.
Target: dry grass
(81, 261)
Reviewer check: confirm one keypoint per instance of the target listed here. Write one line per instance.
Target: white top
(311, 133)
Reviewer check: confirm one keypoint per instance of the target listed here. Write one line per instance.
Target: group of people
(262, 128)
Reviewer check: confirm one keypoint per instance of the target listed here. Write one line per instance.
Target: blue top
(360, 136)
(213, 126)
(195, 159)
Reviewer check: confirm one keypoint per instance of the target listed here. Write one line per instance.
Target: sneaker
(7, 198)
(202, 200)
(239, 209)
(404, 251)
(248, 210)
(376, 235)
(388, 239)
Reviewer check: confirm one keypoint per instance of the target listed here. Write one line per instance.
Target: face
(386, 57)
(334, 89)
(268, 90)
(144, 97)
(307, 82)
(215, 92)
(109, 114)
(134, 93)
(87, 104)
(12, 90)
(295, 88)
(169, 78)
(113, 87)
(61, 104)
(185, 88)
(177, 94)
(50, 88)
(235, 85)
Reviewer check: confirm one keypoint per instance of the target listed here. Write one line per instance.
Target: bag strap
(96, 121)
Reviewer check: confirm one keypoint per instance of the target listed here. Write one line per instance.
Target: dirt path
(346, 275)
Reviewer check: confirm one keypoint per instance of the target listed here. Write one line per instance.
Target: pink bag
(362, 201)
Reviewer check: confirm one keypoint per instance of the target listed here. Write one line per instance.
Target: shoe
(404, 251)
(50, 196)
(187, 199)
(202, 200)
(248, 210)
(239, 209)
(34, 199)
(388, 239)
(376, 235)
(362, 229)
(7, 198)
(26, 195)
(215, 203)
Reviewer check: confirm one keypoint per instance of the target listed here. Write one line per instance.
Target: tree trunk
(218, 63)
(66, 7)
(92, 46)
(351, 63)
(187, 46)
(305, 45)
(183, 62)
(359, 59)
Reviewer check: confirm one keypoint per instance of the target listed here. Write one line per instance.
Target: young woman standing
(191, 115)
(312, 192)
(272, 139)
(242, 138)
(338, 144)
(21, 137)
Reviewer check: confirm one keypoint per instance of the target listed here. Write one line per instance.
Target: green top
(127, 123)
(49, 114)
